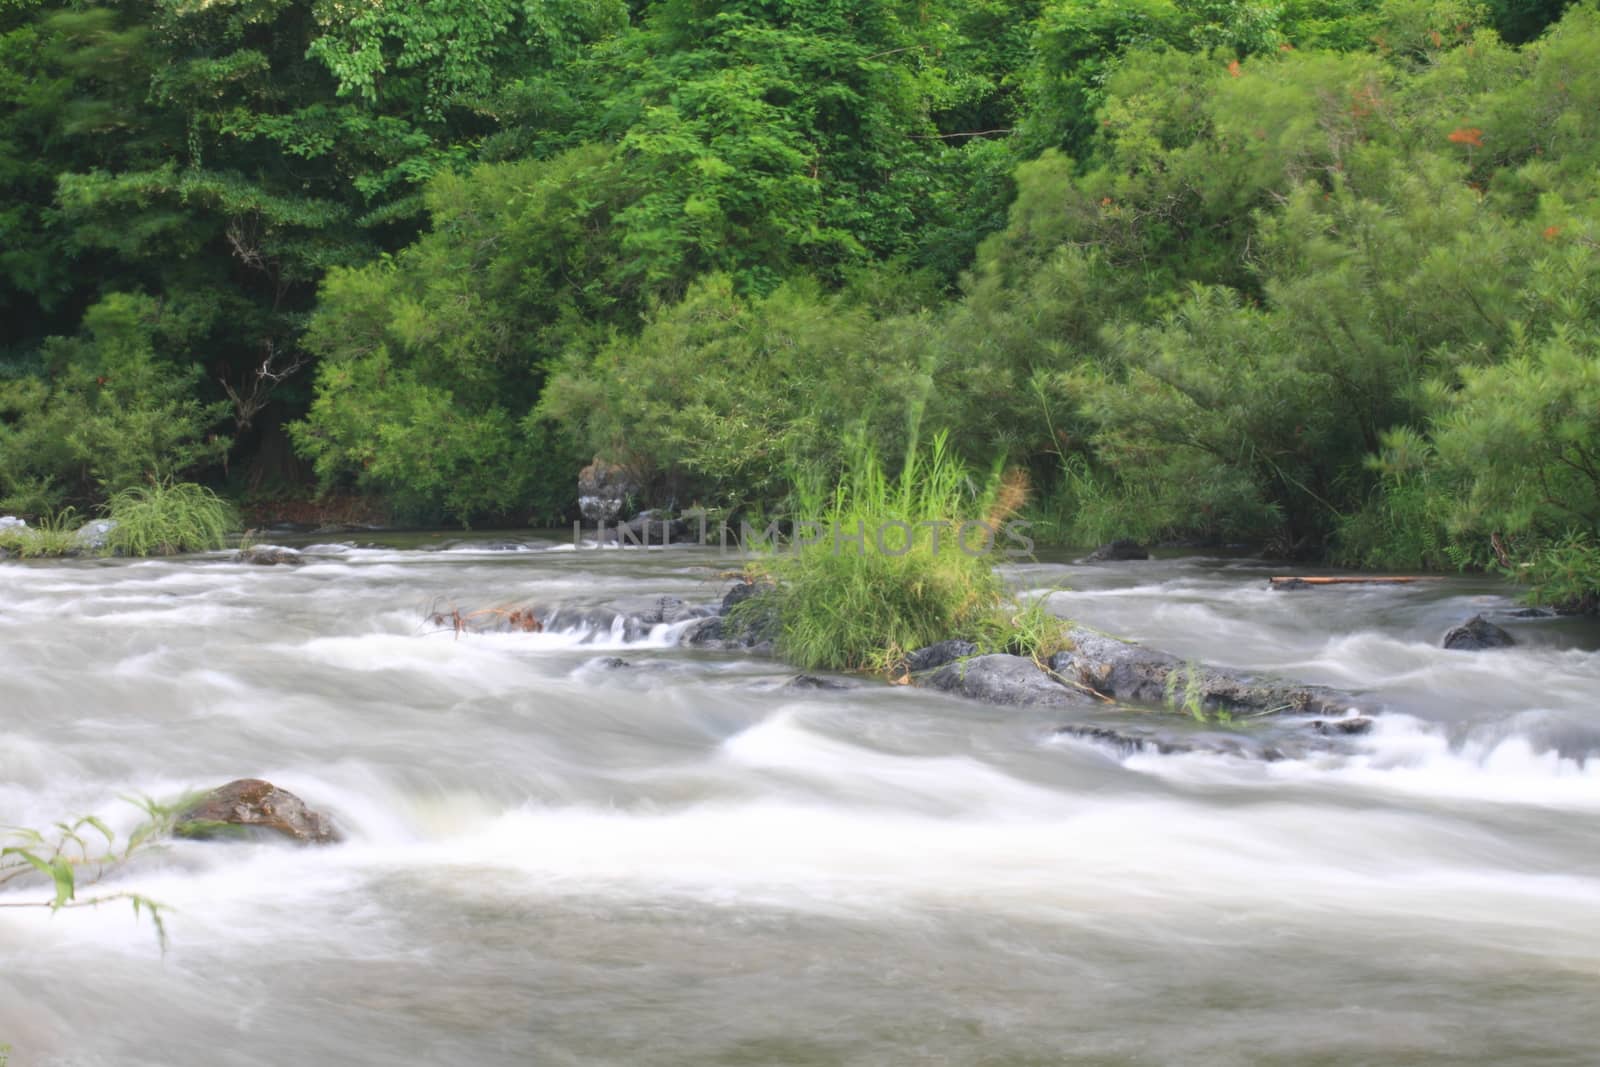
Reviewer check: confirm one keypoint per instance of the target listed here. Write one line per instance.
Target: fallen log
(1293, 582)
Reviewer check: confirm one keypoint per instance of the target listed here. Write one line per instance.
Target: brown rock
(250, 807)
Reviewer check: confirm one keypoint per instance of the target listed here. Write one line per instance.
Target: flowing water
(551, 860)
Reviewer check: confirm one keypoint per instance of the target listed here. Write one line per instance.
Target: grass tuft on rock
(52, 536)
(886, 572)
(165, 518)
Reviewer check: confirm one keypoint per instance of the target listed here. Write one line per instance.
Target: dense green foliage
(1319, 275)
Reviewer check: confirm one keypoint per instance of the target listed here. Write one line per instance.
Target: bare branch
(252, 395)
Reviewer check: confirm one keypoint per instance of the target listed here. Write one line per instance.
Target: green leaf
(60, 871)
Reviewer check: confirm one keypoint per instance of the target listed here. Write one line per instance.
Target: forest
(1320, 277)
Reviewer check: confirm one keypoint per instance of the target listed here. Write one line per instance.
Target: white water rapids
(681, 862)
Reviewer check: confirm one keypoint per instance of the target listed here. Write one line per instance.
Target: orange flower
(1469, 135)
(1550, 232)
(1105, 201)
(1233, 69)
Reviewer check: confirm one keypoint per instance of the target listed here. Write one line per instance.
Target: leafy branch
(73, 857)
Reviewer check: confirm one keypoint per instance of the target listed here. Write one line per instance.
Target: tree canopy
(1318, 275)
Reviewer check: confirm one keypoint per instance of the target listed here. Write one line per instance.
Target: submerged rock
(1475, 634)
(1010, 681)
(1132, 674)
(600, 623)
(1123, 548)
(670, 609)
(1128, 740)
(1349, 726)
(268, 556)
(251, 807)
(811, 681)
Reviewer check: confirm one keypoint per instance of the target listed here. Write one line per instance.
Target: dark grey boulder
(1010, 681)
(926, 659)
(739, 592)
(1132, 674)
(1475, 634)
(1122, 548)
(730, 636)
(703, 634)
(251, 808)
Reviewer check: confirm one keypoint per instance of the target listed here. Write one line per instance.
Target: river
(550, 860)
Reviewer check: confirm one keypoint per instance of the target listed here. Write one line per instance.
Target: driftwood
(1292, 582)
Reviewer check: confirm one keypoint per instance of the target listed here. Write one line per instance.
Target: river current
(555, 860)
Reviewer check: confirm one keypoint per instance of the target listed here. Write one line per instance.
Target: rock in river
(250, 808)
(1010, 681)
(1132, 674)
(1477, 633)
(939, 654)
(1122, 548)
(268, 556)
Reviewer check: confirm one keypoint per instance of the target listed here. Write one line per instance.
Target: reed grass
(51, 535)
(165, 518)
(888, 574)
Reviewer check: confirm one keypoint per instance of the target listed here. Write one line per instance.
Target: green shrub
(165, 518)
(1566, 573)
(105, 412)
(845, 605)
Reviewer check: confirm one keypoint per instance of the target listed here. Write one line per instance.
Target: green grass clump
(52, 535)
(844, 606)
(166, 517)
